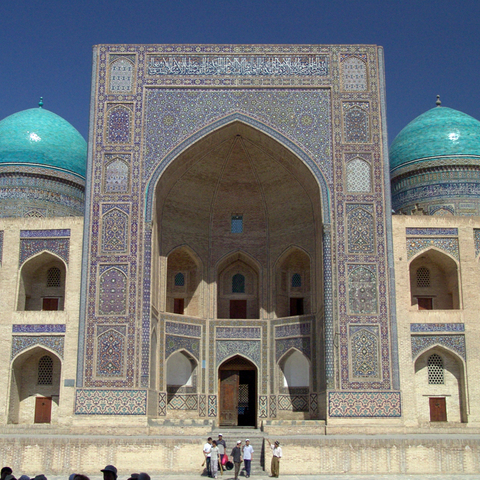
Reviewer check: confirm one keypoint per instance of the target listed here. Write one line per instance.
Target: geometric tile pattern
(364, 404)
(356, 122)
(111, 402)
(237, 332)
(300, 343)
(359, 176)
(273, 406)
(362, 289)
(212, 405)
(292, 330)
(174, 343)
(53, 342)
(313, 404)
(117, 174)
(182, 402)
(202, 405)
(110, 351)
(162, 404)
(249, 349)
(293, 403)
(431, 231)
(115, 232)
(39, 328)
(361, 228)
(121, 75)
(421, 343)
(354, 72)
(30, 247)
(52, 233)
(364, 348)
(119, 123)
(449, 245)
(437, 327)
(183, 329)
(262, 406)
(112, 292)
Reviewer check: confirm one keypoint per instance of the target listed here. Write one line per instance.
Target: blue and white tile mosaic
(186, 329)
(174, 343)
(292, 330)
(293, 403)
(364, 404)
(52, 233)
(30, 247)
(39, 328)
(111, 402)
(21, 343)
(237, 332)
(432, 231)
(420, 343)
(448, 245)
(248, 348)
(437, 327)
(283, 345)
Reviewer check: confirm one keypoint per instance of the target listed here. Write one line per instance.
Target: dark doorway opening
(238, 392)
(238, 309)
(296, 306)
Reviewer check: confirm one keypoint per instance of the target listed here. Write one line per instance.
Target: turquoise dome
(37, 136)
(439, 132)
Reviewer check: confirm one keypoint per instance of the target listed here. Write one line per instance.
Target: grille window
(435, 370)
(238, 283)
(296, 280)
(179, 280)
(53, 277)
(45, 370)
(423, 277)
(237, 224)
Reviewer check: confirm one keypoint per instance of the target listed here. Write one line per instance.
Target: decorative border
(45, 328)
(448, 245)
(45, 233)
(364, 404)
(21, 343)
(432, 231)
(110, 402)
(421, 343)
(437, 327)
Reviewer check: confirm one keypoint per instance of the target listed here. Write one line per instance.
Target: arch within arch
(449, 388)
(296, 369)
(442, 290)
(35, 292)
(34, 398)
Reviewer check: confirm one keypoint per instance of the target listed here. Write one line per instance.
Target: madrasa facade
(239, 247)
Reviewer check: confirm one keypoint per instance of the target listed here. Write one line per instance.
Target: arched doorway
(237, 386)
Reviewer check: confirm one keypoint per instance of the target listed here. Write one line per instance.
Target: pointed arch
(112, 292)
(295, 367)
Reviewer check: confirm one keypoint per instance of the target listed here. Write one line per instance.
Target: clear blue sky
(431, 47)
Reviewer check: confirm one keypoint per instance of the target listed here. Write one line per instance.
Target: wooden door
(229, 385)
(50, 304)
(238, 309)
(43, 409)
(438, 409)
(425, 303)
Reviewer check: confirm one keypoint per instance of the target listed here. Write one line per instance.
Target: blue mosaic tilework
(360, 228)
(313, 404)
(180, 401)
(476, 237)
(356, 122)
(364, 350)
(448, 245)
(117, 174)
(53, 343)
(443, 210)
(112, 292)
(212, 405)
(262, 406)
(162, 404)
(202, 405)
(115, 232)
(362, 289)
(354, 72)
(44, 328)
(45, 233)
(292, 330)
(248, 348)
(238, 332)
(183, 329)
(364, 404)
(119, 124)
(293, 403)
(273, 406)
(121, 73)
(30, 247)
(110, 353)
(437, 327)
(359, 174)
(432, 231)
(111, 402)
(174, 343)
(300, 343)
(420, 343)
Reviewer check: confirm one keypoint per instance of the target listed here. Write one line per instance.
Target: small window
(238, 283)
(425, 303)
(423, 277)
(179, 280)
(435, 370)
(296, 280)
(237, 224)
(53, 277)
(45, 370)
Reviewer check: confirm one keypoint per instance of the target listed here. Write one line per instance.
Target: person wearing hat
(237, 457)
(109, 473)
(247, 456)
(222, 447)
(277, 455)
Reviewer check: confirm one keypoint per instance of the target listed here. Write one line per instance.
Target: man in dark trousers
(237, 458)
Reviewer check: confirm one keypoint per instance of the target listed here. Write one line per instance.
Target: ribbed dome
(37, 136)
(439, 132)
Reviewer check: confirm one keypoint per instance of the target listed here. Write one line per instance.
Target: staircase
(232, 434)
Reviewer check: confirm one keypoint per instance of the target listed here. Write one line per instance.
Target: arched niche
(35, 387)
(434, 281)
(293, 284)
(295, 368)
(42, 283)
(181, 372)
(184, 281)
(440, 391)
(237, 288)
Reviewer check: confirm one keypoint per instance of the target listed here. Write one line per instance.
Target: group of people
(109, 473)
(215, 452)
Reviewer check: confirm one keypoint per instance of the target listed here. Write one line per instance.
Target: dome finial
(40, 103)
(438, 102)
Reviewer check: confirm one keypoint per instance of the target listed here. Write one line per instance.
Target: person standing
(109, 473)
(247, 456)
(214, 459)
(207, 448)
(277, 455)
(237, 458)
(222, 447)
